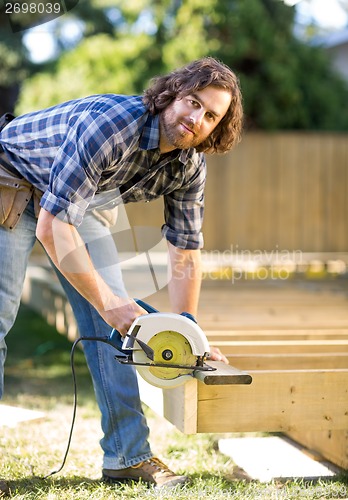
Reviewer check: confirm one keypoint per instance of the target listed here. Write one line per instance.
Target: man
(78, 155)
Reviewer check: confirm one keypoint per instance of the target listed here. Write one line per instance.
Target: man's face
(189, 120)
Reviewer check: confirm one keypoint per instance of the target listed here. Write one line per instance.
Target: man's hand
(67, 250)
(216, 355)
(122, 316)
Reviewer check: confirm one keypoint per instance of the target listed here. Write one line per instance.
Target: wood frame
(296, 355)
(299, 371)
(196, 407)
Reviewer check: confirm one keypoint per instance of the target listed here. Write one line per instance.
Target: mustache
(190, 125)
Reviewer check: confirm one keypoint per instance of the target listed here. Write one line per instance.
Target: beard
(178, 131)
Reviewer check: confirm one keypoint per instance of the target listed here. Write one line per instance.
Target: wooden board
(223, 375)
(278, 334)
(276, 401)
(229, 347)
(332, 444)
(289, 361)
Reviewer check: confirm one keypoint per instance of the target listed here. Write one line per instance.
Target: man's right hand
(67, 251)
(122, 316)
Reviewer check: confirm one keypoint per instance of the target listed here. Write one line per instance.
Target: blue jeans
(125, 440)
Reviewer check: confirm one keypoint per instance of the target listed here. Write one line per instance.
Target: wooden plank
(268, 322)
(312, 186)
(276, 401)
(289, 361)
(296, 185)
(277, 334)
(269, 305)
(281, 346)
(336, 200)
(255, 318)
(331, 444)
(180, 406)
(223, 375)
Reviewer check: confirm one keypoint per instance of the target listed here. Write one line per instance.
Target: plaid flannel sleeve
(183, 211)
(77, 168)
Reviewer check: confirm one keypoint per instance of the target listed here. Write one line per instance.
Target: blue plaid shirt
(101, 151)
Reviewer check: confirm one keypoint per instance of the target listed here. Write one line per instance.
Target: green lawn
(38, 377)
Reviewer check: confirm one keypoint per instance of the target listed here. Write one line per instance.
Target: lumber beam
(278, 334)
(331, 444)
(180, 406)
(276, 401)
(223, 375)
(290, 361)
(229, 347)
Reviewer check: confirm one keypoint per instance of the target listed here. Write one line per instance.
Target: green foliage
(15, 18)
(286, 83)
(95, 66)
(12, 59)
(13, 64)
(188, 39)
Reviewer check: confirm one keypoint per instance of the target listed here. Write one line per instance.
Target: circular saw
(166, 348)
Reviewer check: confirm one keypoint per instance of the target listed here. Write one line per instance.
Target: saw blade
(170, 348)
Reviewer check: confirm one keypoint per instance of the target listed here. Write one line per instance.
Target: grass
(38, 377)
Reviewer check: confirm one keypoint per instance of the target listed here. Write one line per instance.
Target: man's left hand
(216, 355)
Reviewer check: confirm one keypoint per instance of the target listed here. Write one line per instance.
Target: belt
(4, 161)
(5, 120)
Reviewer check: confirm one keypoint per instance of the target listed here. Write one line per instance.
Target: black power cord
(106, 340)
(110, 341)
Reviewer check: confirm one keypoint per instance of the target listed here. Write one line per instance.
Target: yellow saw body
(166, 348)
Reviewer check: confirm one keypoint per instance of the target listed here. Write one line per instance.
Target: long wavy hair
(193, 77)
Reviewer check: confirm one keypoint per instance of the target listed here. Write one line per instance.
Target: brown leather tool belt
(15, 191)
(15, 194)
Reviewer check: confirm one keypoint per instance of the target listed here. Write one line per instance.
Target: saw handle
(151, 309)
(189, 316)
(146, 306)
(115, 335)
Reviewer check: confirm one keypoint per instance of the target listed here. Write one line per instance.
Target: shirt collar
(149, 139)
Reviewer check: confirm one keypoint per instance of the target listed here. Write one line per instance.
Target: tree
(286, 83)
(92, 67)
(17, 17)
(13, 64)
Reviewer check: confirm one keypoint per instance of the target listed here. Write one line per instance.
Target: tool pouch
(15, 191)
(15, 194)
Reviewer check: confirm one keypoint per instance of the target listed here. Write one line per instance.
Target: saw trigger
(146, 348)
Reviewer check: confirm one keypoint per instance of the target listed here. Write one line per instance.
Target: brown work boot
(4, 489)
(152, 471)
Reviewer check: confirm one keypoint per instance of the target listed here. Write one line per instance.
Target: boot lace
(154, 462)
